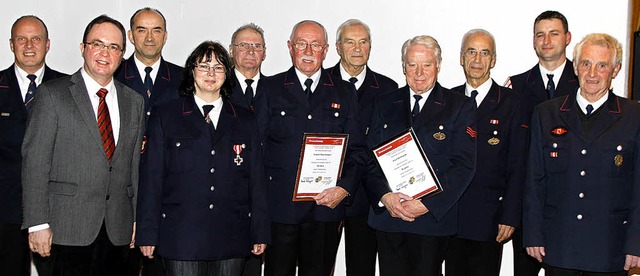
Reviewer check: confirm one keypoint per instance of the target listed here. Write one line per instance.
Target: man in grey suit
(80, 161)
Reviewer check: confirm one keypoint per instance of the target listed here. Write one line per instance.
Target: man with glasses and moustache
(353, 43)
(80, 164)
(307, 99)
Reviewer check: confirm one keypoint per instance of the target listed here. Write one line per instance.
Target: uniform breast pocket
(618, 158)
(282, 122)
(334, 117)
(556, 157)
(180, 153)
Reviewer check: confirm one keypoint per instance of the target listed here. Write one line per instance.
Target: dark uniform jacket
(495, 194)
(333, 109)
(582, 195)
(445, 113)
(259, 101)
(13, 121)
(373, 85)
(165, 86)
(196, 201)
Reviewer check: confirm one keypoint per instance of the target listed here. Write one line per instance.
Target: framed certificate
(406, 167)
(320, 164)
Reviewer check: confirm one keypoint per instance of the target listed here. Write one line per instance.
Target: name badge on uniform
(238, 149)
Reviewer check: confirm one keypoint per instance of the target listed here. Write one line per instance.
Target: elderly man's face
(478, 57)
(421, 68)
(308, 48)
(354, 46)
(101, 62)
(595, 70)
(248, 50)
(29, 44)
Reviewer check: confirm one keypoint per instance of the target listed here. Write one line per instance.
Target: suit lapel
(226, 121)
(568, 79)
(491, 101)
(160, 84)
(609, 114)
(14, 96)
(294, 88)
(432, 107)
(124, 108)
(535, 84)
(322, 92)
(80, 97)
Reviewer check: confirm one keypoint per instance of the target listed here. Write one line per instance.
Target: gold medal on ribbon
(439, 136)
(618, 160)
(493, 141)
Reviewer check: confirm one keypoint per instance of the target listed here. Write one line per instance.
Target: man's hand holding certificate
(407, 169)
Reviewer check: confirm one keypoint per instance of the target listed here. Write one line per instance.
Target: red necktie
(104, 124)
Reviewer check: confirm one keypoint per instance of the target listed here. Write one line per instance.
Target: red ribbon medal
(238, 149)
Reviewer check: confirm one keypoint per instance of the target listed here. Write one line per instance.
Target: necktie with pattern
(551, 86)
(31, 91)
(148, 83)
(104, 125)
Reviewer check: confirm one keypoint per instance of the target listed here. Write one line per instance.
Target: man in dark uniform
(413, 233)
(353, 42)
(553, 76)
(490, 208)
(582, 194)
(307, 99)
(29, 43)
(146, 72)
(157, 81)
(248, 51)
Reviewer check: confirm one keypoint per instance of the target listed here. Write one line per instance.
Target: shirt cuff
(38, 227)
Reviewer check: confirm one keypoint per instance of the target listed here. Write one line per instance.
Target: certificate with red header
(406, 167)
(320, 164)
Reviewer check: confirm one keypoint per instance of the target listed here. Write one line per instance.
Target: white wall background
(392, 22)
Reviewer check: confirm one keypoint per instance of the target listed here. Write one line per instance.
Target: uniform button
(212, 170)
(148, 113)
(500, 199)
(384, 126)
(583, 173)
(212, 188)
(270, 177)
(309, 117)
(110, 168)
(624, 222)
(178, 144)
(164, 215)
(108, 197)
(579, 216)
(210, 206)
(584, 151)
(249, 215)
(495, 132)
(555, 145)
(581, 195)
(213, 152)
(619, 148)
(336, 114)
(440, 127)
(282, 113)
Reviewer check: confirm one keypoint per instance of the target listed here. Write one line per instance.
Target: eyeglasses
(257, 47)
(99, 45)
(474, 52)
(205, 68)
(316, 47)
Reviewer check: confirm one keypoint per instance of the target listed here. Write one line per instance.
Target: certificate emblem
(493, 141)
(618, 160)
(439, 136)
(238, 149)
